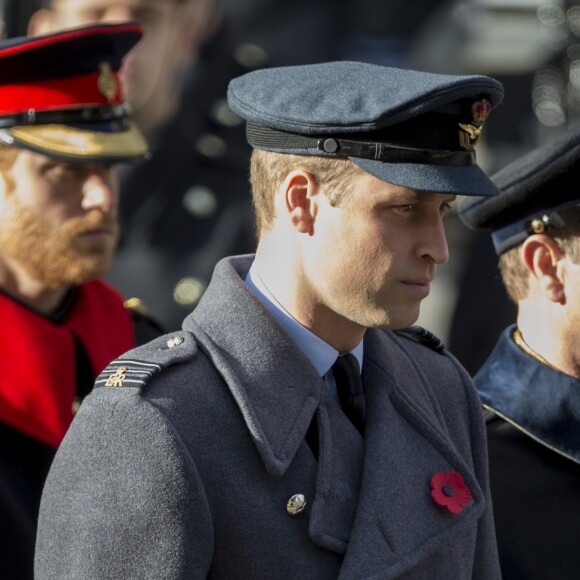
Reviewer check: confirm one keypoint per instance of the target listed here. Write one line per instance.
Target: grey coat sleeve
(123, 498)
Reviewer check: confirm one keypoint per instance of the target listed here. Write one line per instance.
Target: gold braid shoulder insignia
(117, 378)
(138, 366)
(137, 305)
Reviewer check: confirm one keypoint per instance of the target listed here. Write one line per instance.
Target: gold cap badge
(470, 133)
(107, 84)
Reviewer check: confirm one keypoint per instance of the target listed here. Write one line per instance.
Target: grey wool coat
(181, 462)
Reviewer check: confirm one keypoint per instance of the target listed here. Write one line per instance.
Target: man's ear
(300, 191)
(542, 255)
(41, 22)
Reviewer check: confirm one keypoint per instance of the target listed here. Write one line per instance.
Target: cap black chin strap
(96, 114)
(271, 139)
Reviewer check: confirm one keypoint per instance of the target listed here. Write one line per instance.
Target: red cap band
(70, 92)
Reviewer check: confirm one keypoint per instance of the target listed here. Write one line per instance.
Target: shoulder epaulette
(137, 305)
(138, 366)
(422, 336)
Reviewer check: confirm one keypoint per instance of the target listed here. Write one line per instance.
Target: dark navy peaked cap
(65, 54)
(538, 194)
(409, 128)
(60, 94)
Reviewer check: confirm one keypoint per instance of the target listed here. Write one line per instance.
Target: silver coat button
(175, 341)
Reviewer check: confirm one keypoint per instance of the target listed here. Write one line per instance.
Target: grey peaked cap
(538, 193)
(402, 126)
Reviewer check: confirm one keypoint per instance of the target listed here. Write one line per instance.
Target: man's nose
(435, 246)
(99, 192)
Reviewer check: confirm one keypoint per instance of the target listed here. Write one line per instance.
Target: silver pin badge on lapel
(296, 504)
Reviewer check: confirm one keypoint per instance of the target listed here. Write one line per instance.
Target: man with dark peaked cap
(530, 383)
(227, 450)
(64, 128)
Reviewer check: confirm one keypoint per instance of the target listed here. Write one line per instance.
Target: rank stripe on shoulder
(153, 358)
(127, 372)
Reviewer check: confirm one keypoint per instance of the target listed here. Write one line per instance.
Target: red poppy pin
(449, 490)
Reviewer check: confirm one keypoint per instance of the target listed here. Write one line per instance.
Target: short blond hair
(268, 170)
(515, 275)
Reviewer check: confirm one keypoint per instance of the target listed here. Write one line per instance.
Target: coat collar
(538, 400)
(275, 386)
(373, 501)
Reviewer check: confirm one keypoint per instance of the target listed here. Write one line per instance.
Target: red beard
(63, 257)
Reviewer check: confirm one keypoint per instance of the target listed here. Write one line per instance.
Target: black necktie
(346, 372)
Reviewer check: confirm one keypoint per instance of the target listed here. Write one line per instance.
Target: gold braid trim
(519, 340)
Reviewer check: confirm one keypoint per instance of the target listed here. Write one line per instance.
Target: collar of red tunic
(37, 381)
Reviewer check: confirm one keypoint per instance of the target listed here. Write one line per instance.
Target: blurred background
(531, 46)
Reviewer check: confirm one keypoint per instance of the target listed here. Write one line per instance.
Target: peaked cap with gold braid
(60, 94)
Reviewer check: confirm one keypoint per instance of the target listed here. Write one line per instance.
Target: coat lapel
(397, 523)
(339, 477)
(279, 392)
(275, 386)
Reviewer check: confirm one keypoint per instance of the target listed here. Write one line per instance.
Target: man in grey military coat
(246, 445)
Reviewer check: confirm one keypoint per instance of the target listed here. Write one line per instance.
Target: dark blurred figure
(362, 30)
(482, 309)
(14, 16)
(297, 32)
(189, 205)
(63, 131)
(384, 32)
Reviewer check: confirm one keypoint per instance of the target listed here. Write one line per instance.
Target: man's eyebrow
(420, 195)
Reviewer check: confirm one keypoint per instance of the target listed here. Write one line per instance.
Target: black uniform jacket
(533, 429)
